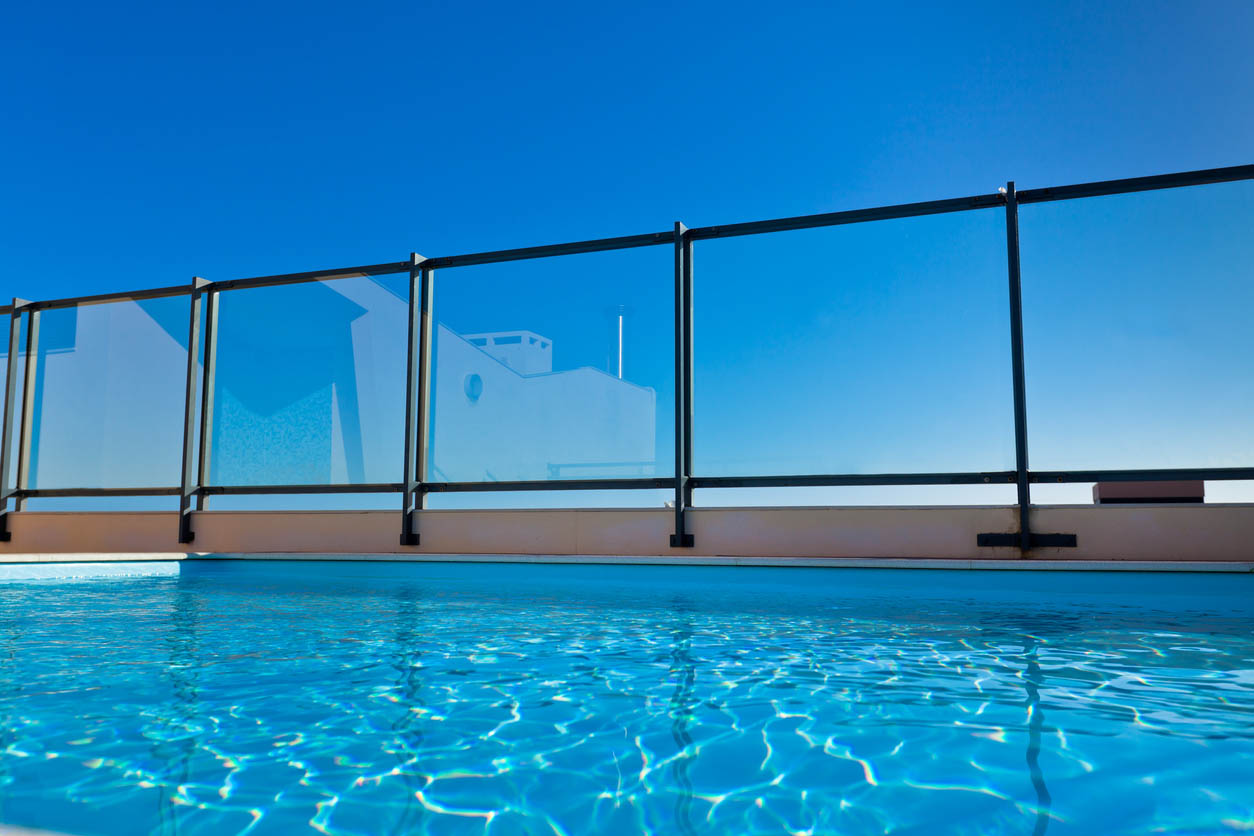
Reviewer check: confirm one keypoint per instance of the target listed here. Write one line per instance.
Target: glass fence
(305, 389)
(107, 395)
(841, 349)
(553, 369)
(1137, 328)
(913, 354)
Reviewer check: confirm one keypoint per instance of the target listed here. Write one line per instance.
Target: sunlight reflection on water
(439, 698)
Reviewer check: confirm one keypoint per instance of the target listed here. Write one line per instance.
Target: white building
(495, 421)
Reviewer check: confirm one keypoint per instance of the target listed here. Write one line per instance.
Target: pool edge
(986, 564)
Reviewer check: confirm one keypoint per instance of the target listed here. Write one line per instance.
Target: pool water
(282, 697)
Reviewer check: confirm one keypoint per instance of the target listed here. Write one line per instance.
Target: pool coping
(987, 564)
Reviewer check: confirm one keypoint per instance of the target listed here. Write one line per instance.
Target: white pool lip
(37, 566)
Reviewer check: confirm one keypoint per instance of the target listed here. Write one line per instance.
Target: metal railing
(200, 382)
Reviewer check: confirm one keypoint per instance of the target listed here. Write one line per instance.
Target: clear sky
(146, 143)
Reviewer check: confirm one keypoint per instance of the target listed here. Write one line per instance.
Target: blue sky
(147, 143)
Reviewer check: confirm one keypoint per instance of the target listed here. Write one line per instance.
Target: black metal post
(688, 386)
(683, 385)
(417, 396)
(6, 433)
(207, 380)
(1016, 359)
(1026, 539)
(189, 486)
(26, 426)
(409, 536)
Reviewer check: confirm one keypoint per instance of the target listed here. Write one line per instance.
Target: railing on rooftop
(964, 279)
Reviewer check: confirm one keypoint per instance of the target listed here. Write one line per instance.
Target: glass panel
(556, 368)
(1137, 329)
(310, 383)
(878, 347)
(109, 395)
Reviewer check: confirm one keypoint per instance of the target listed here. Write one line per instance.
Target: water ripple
(568, 701)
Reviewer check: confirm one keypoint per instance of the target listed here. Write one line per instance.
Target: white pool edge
(71, 570)
(36, 566)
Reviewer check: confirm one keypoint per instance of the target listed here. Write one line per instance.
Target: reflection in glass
(552, 369)
(107, 410)
(310, 383)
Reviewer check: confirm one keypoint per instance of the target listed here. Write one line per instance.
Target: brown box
(1114, 493)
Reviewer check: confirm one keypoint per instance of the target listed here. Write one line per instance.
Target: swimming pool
(274, 697)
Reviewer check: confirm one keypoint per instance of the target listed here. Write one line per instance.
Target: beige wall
(1125, 532)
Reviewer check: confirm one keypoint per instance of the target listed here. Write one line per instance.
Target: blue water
(502, 699)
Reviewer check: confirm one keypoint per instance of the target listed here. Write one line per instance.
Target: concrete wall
(1127, 532)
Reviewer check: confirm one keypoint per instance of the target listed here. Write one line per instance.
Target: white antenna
(621, 312)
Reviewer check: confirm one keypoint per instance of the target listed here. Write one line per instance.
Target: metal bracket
(1035, 541)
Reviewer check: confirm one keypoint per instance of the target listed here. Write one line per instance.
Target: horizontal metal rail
(598, 245)
(106, 298)
(444, 487)
(552, 485)
(1139, 184)
(243, 490)
(363, 487)
(312, 276)
(227, 284)
(93, 492)
(855, 216)
(1213, 474)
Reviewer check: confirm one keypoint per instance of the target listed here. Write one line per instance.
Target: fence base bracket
(1035, 541)
(682, 541)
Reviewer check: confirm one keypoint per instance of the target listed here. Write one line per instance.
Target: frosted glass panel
(310, 383)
